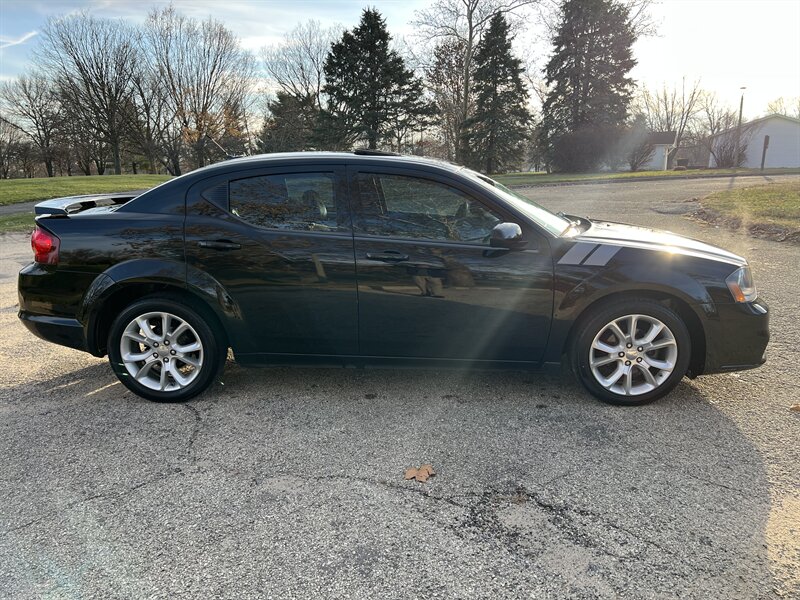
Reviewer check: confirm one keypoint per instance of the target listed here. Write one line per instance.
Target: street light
(739, 130)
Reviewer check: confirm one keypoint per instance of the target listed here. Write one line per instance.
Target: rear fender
(155, 275)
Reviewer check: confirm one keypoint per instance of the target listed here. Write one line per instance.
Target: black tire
(595, 324)
(210, 358)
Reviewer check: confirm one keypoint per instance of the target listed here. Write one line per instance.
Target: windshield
(543, 217)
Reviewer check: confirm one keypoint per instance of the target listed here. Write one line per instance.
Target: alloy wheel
(161, 351)
(633, 355)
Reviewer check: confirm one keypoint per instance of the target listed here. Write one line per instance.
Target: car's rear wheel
(163, 350)
(632, 352)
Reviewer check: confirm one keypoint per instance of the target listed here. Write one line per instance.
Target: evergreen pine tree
(289, 126)
(498, 131)
(590, 90)
(370, 93)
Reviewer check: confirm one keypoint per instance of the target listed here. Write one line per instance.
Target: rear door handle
(219, 244)
(388, 256)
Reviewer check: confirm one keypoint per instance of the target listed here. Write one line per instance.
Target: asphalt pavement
(288, 483)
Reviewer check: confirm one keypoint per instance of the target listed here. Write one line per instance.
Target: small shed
(663, 142)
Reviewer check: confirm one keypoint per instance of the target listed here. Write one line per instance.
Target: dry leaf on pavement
(421, 474)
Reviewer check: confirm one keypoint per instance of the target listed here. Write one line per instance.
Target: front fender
(580, 293)
(580, 287)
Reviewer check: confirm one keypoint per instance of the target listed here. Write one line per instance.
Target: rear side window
(293, 201)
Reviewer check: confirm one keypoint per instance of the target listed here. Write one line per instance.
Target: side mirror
(508, 236)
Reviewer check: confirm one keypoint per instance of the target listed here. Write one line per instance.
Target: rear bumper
(48, 304)
(59, 330)
(737, 339)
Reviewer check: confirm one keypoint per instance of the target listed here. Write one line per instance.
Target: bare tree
(636, 144)
(32, 103)
(93, 60)
(670, 109)
(204, 70)
(716, 130)
(296, 64)
(10, 137)
(782, 106)
(725, 145)
(151, 116)
(462, 21)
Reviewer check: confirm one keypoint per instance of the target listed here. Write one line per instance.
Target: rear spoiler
(75, 204)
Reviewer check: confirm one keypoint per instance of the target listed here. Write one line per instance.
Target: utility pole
(739, 131)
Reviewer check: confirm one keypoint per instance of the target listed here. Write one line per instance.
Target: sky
(725, 44)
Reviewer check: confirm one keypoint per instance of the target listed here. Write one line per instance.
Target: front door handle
(388, 256)
(219, 244)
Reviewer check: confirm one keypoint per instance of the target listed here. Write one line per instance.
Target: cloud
(7, 42)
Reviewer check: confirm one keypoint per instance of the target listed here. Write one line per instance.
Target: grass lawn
(773, 204)
(20, 222)
(531, 179)
(13, 191)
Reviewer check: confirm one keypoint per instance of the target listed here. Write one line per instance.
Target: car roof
(318, 157)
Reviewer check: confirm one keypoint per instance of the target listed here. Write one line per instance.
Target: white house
(783, 148)
(662, 142)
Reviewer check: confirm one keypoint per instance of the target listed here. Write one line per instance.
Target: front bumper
(737, 338)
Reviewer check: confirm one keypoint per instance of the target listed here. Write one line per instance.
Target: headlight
(741, 285)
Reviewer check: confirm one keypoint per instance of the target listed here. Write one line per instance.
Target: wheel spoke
(609, 381)
(144, 370)
(192, 362)
(164, 325)
(633, 321)
(144, 326)
(179, 377)
(648, 376)
(605, 360)
(660, 344)
(136, 338)
(162, 380)
(191, 347)
(178, 331)
(603, 347)
(137, 356)
(621, 337)
(662, 365)
(652, 334)
(628, 384)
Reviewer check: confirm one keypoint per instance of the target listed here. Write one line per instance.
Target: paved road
(287, 483)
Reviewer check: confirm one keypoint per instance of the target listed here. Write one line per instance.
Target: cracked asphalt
(288, 483)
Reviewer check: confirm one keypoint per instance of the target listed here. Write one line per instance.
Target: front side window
(294, 201)
(412, 207)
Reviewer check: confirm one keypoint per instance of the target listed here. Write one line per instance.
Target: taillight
(45, 246)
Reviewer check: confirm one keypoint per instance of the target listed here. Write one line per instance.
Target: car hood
(620, 234)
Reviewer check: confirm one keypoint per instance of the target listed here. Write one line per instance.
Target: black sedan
(364, 258)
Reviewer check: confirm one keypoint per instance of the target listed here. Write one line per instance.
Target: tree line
(177, 93)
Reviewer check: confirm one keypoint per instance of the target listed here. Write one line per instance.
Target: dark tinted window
(295, 201)
(411, 207)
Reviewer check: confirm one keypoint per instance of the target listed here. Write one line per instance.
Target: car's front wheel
(163, 350)
(632, 352)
